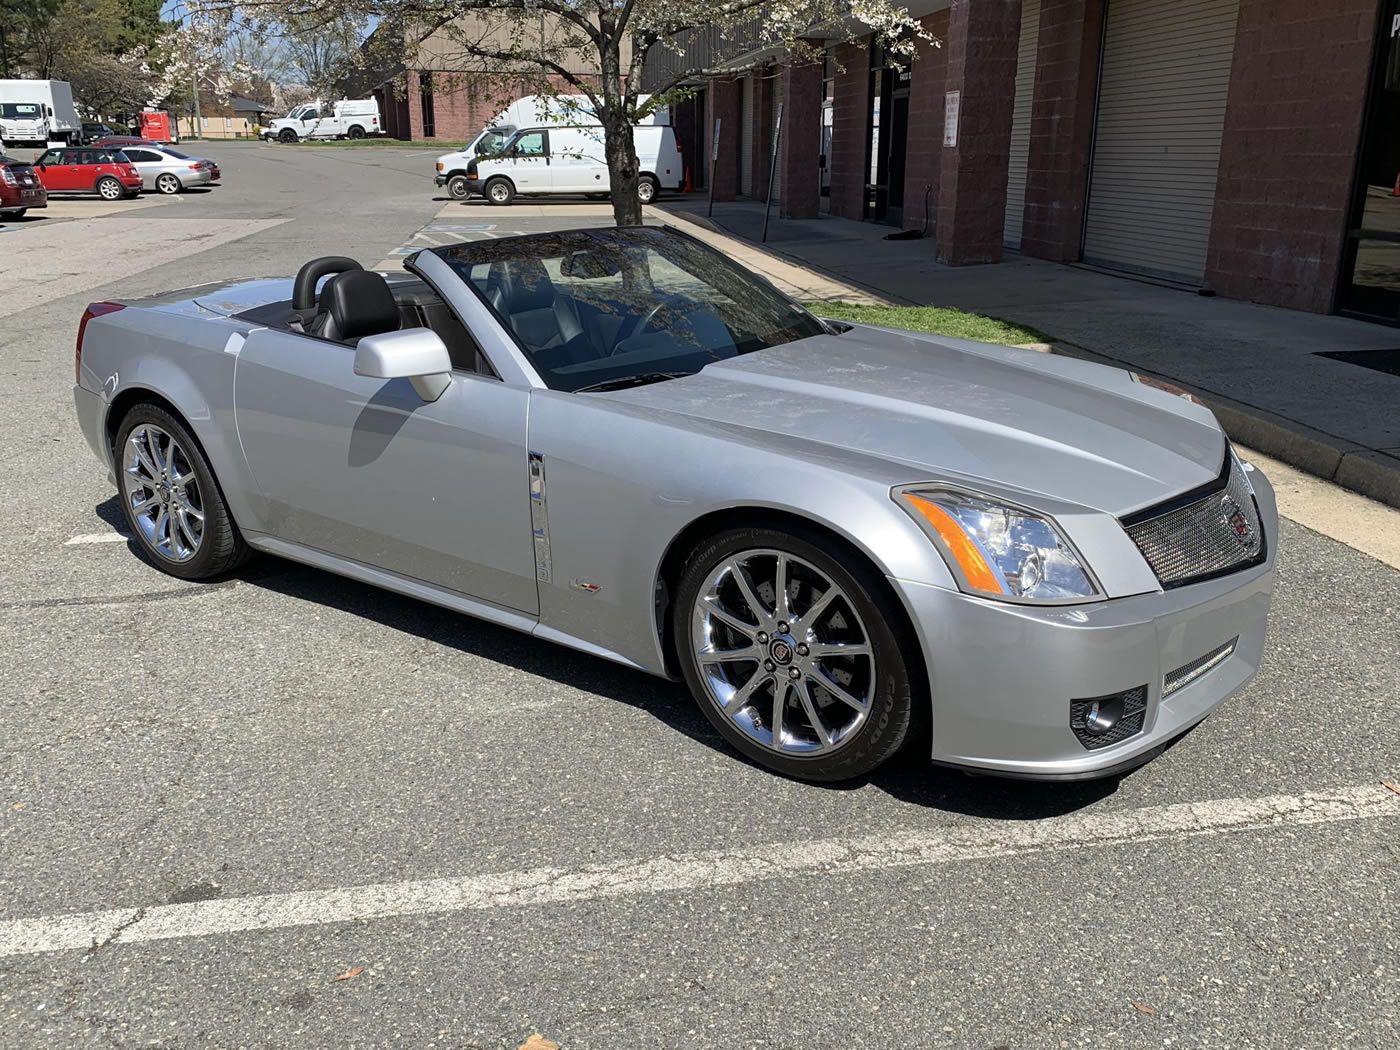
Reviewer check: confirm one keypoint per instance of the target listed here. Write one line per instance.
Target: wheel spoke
(162, 519)
(744, 693)
(721, 656)
(837, 690)
(712, 607)
(741, 580)
(780, 596)
(780, 695)
(823, 737)
(153, 443)
(191, 540)
(145, 505)
(194, 512)
(813, 614)
(822, 650)
(143, 459)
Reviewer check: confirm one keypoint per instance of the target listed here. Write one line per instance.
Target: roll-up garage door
(777, 97)
(1161, 108)
(746, 137)
(1021, 123)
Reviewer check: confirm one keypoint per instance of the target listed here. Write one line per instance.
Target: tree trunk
(621, 153)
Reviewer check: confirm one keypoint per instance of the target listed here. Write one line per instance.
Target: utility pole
(194, 82)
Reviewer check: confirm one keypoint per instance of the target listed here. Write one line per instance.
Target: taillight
(196, 167)
(93, 310)
(8, 177)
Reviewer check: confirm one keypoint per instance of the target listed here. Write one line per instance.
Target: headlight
(439, 165)
(1000, 551)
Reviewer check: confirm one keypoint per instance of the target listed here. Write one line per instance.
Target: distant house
(251, 109)
(236, 117)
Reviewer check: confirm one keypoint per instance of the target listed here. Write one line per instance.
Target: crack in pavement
(121, 928)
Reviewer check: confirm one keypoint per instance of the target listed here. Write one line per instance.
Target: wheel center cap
(781, 649)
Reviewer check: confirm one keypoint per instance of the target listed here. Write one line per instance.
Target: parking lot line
(699, 871)
(97, 537)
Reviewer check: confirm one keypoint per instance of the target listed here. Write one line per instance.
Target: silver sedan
(169, 171)
(844, 539)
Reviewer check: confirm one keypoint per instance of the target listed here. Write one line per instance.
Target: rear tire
(801, 647)
(168, 183)
(458, 188)
(18, 213)
(287, 135)
(172, 502)
(356, 132)
(109, 189)
(499, 191)
(647, 189)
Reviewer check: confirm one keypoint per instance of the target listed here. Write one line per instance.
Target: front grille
(1210, 536)
(1197, 668)
(1129, 708)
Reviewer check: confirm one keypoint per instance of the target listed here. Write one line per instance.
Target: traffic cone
(690, 187)
(1396, 192)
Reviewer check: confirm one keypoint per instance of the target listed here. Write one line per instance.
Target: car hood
(963, 411)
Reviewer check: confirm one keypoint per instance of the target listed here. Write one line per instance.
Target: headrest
(520, 284)
(360, 304)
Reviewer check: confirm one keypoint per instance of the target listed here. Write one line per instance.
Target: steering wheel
(647, 319)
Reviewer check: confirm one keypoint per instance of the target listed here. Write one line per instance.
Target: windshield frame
(471, 253)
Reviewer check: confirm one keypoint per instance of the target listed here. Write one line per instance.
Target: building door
(1370, 284)
(1021, 123)
(888, 141)
(1161, 109)
(828, 119)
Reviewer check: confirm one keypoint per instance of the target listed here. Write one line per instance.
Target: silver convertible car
(843, 538)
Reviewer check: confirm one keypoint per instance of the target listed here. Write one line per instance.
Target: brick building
(1244, 147)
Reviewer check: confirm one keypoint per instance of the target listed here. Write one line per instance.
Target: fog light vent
(1104, 720)
(1201, 666)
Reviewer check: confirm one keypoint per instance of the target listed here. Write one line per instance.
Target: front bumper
(1002, 676)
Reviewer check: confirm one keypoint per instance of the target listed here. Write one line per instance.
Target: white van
(532, 111)
(570, 160)
(350, 118)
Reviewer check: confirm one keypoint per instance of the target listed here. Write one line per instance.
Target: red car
(20, 188)
(89, 169)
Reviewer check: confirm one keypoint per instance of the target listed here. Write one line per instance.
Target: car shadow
(909, 777)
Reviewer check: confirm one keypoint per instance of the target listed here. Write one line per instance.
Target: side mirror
(416, 354)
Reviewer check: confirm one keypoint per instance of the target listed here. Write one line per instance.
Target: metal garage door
(1021, 123)
(746, 137)
(777, 97)
(1166, 73)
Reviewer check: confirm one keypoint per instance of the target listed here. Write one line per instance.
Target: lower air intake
(1102, 721)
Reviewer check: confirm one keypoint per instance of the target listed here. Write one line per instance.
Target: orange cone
(1396, 192)
(690, 187)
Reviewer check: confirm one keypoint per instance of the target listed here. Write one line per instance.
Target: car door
(529, 163)
(147, 163)
(366, 470)
(576, 159)
(53, 171)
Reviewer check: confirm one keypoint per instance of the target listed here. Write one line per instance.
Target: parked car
(346, 119)
(623, 441)
(89, 169)
(561, 160)
(124, 141)
(20, 188)
(38, 111)
(95, 132)
(167, 170)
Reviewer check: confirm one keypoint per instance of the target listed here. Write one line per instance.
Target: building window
(1371, 260)
(425, 85)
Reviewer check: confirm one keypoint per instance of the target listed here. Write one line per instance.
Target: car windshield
(491, 141)
(7, 161)
(19, 110)
(595, 309)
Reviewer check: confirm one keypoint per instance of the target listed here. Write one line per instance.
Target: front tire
(500, 191)
(806, 676)
(168, 184)
(459, 188)
(172, 502)
(287, 135)
(109, 189)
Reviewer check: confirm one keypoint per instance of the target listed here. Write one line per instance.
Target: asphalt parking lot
(286, 809)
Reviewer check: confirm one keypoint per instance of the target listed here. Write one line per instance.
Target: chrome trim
(1188, 673)
(539, 519)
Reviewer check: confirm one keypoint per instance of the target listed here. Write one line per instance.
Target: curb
(1371, 473)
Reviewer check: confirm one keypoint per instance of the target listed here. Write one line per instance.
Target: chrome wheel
(646, 191)
(783, 653)
(162, 493)
(109, 189)
(499, 192)
(168, 184)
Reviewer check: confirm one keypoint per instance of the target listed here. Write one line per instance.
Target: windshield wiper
(640, 379)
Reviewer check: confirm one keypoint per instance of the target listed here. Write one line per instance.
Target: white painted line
(97, 537)
(828, 857)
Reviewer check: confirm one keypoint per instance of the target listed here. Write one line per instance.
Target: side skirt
(413, 588)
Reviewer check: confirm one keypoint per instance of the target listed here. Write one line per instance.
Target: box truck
(38, 112)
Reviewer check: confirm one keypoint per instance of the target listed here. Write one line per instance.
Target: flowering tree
(596, 48)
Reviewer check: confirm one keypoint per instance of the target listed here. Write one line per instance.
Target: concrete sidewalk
(1256, 366)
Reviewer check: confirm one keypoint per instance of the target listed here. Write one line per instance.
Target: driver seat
(353, 305)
